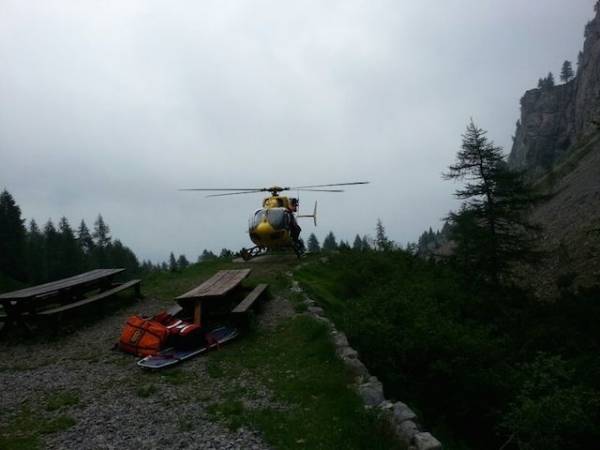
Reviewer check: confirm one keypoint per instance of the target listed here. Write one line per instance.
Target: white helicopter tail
(313, 215)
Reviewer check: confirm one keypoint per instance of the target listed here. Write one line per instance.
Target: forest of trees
(30, 254)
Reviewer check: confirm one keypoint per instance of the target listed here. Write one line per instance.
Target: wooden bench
(101, 295)
(247, 303)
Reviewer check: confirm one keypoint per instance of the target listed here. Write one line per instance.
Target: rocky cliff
(555, 119)
(558, 143)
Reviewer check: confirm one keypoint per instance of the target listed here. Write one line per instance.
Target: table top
(48, 288)
(218, 285)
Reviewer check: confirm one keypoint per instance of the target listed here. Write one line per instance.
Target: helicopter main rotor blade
(318, 190)
(328, 185)
(234, 193)
(227, 189)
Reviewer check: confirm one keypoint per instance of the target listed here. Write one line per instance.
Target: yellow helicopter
(274, 226)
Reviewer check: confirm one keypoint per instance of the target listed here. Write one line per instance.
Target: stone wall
(401, 418)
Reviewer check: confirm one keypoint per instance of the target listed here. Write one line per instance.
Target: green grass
(24, 431)
(298, 365)
(61, 399)
(146, 390)
(176, 377)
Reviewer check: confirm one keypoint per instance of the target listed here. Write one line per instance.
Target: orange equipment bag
(143, 337)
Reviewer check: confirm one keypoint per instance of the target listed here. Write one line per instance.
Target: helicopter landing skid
(249, 253)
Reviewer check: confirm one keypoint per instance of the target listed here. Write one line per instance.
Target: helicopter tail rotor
(313, 215)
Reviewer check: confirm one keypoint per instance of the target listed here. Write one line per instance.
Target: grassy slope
(297, 363)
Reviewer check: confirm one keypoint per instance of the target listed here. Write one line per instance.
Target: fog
(109, 107)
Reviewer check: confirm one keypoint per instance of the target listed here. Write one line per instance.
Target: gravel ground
(121, 406)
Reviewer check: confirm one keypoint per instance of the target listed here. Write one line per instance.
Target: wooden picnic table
(69, 292)
(217, 287)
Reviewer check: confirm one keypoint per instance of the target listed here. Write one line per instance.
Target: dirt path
(75, 393)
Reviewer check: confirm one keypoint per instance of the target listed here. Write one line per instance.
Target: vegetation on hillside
(484, 366)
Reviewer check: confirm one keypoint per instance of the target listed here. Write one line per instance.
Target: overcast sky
(110, 106)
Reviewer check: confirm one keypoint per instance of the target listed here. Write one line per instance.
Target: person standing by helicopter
(294, 227)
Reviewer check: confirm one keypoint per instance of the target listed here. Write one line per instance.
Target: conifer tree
(313, 244)
(225, 253)
(344, 246)
(84, 238)
(207, 255)
(381, 240)
(101, 232)
(491, 230)
(182, 262)
(329, 243)
(35, 253)
(173, 263)
(52, 269)
(118, 255)
(358, 244)
(12, 238)
(367, 242)
(566, 74)
(69, 255)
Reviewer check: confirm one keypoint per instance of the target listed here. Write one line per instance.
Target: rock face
(553, 120)
(546, 130)
(557, 143)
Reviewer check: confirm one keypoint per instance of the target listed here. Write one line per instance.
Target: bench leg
(15, 321)
(138, 291)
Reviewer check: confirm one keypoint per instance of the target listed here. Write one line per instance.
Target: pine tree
(546, 83)
(35, 253)
(329, 244)
(101, 232)
(12, 238)
(70, 255)
(52, 269)
(381, 240)
(358, 244)
(182, 262)
(367, 242)
(344, 246)
(118, 255)
(566, 73)
(313, 244)
(206, 255)
(173, 267)
(491, 230)
(84, 238)
(225, 253)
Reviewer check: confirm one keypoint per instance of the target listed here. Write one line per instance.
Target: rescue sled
(171, 356)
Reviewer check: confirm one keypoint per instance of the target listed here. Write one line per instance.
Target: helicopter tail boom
(313, 215)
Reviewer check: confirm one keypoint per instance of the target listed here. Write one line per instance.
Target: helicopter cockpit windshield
(277, 218)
